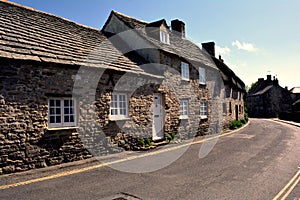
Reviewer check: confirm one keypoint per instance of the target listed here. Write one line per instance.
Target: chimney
(269, 77)
(275, 81)
(260, 80)
(178, 27)
(209, 47)
(220, 58)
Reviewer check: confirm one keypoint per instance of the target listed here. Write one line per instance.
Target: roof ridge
(118, 13)
(49, 14)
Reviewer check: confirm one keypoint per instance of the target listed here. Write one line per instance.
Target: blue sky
(254, 37)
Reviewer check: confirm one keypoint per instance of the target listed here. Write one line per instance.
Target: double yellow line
(288, 188)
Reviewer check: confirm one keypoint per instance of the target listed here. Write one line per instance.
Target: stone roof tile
(178, 46)
(28, 34)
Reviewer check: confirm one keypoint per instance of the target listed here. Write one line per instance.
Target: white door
(158, 110)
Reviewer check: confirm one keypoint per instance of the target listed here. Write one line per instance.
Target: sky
(255, 38)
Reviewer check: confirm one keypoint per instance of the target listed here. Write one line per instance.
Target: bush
(243, 121)
(147, 141)
(142, 142)
(235, 124)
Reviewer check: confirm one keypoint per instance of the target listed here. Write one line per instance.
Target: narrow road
(254, 163)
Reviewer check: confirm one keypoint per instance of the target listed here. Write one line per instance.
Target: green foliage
(253, 85)
(142, 142)
(235, 124)
(246, 118)
(147, 142)
(170, 137)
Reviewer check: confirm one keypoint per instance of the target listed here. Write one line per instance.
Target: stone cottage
(68, 91)
(268, 99)
(233, 108)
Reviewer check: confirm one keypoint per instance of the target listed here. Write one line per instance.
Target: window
(61, 112)
(203, 109)
(230, 108)
(119, 106)
(185, 73)
(202, 77)
(164, 37)
(184, 109)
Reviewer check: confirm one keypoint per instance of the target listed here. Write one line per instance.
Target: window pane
(58, 119)
(52, 119)
(66, 110)
(57, 110)
(52, 111)
(52, 103)
(58, 103)
(66, 103)
(185, 70)
(72, 118)
(66, 119)
(202, 78)
(71, 111)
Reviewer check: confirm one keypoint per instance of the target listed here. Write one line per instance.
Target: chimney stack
(269, 78)
(260, 80)
(178, 28)
(209, 47)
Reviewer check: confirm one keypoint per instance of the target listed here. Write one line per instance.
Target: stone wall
(26, 141)
(233, 98)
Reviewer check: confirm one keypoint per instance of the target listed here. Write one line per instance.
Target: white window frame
(203, 109)
(164, 37)
(184, 109)
(185, 71)
(202, 76)
(116, 110)
(64, 111)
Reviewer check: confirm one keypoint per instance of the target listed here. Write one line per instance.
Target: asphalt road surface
(258, 162)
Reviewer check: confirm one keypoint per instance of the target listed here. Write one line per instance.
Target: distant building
(268, 98)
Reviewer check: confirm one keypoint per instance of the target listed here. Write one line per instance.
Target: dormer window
(185, 72)
(164, 37)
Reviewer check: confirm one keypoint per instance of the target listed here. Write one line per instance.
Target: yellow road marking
(291, 189)
(76, 171)
(287, 186)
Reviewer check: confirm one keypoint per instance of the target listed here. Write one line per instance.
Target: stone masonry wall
(26, 142)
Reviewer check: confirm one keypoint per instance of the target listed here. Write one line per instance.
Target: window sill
(62, 128)
(183, 117)
(119, 118)
(201, 83)
(184, 79)
(203, 117)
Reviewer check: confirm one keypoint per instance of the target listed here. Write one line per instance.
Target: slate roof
(229, 77)
(178, 46)
(260, 92)
(29, 34)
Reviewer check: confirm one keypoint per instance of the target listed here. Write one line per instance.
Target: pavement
(287, 122)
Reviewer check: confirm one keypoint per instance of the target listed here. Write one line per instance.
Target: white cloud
(244, 46)
(222, 50)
